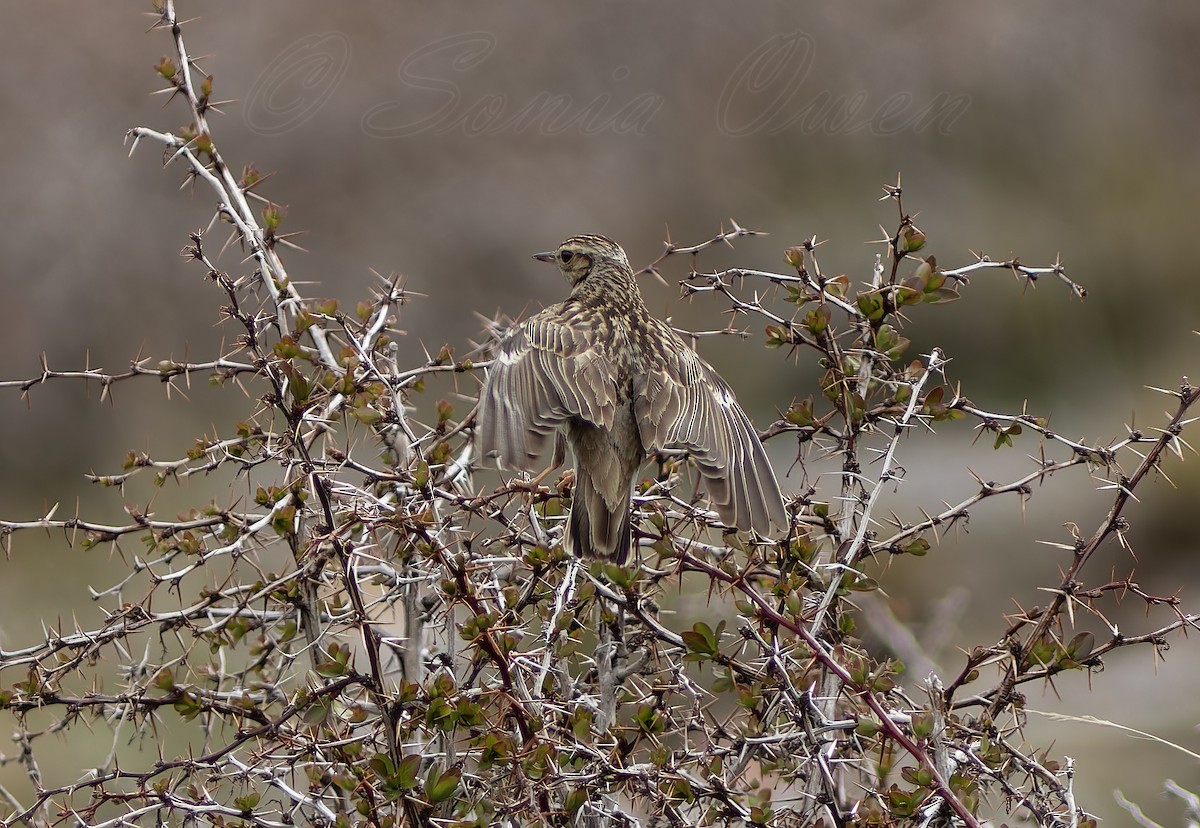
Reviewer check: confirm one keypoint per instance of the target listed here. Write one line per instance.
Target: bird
(599, 373)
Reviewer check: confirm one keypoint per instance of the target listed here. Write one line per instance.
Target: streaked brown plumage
(618, 383)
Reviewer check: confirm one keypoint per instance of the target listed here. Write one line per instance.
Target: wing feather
(546, 372)
(682, 402)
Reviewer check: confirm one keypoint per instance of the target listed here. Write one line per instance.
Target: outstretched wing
(546, 372)
(682, 402)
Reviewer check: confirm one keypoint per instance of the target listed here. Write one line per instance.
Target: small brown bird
(618, 383)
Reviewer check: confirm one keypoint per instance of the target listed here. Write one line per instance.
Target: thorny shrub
(391, 633)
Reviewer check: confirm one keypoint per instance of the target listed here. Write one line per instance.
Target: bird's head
(579, 256)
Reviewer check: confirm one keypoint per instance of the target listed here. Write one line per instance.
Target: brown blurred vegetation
(1079, 138)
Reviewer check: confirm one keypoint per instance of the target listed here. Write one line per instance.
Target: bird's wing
(681, 402)
(547, 371)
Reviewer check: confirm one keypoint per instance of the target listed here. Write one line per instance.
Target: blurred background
(448, 143)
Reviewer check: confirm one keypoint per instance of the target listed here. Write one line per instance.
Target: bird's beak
(548, 256)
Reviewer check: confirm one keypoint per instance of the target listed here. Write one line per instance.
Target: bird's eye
(566, 256)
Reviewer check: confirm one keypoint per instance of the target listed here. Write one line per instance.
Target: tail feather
(596, 530)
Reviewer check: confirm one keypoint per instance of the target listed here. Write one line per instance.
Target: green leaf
(575, 800)
(440, 787)
(941, 296)
(331, 669)
(187, 706)
(246, 803)
(421, 474)
(867, 726)
(284, 520)
(406, 773)
(922, 725)
(366, 415)
(776, 336)
(871, 305)
(381, 765)
(817, 319)
(164, 679)
(911, 240)
(801, 413)
(885, 337)
(700, 639)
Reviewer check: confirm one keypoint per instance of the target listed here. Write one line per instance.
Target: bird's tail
(597, 530)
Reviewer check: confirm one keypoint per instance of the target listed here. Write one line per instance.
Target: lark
(601, 374)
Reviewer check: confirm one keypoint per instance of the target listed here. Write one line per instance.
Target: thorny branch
(377, 537)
